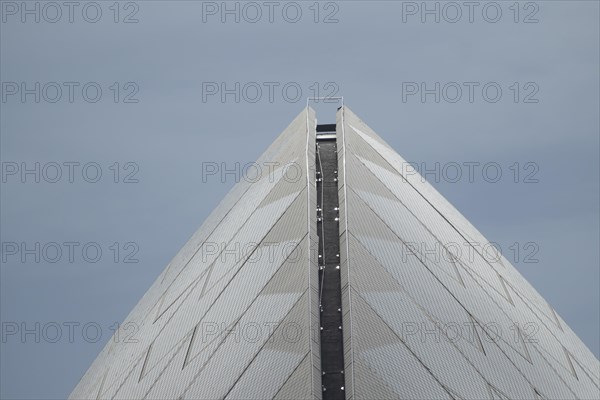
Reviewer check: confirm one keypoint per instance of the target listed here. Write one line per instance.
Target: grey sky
(371, 56)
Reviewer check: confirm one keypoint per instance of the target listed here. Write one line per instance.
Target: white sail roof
(236, 313)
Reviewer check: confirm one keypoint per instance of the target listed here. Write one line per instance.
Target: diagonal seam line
(193, 380)
(263, 345)
(289, 377)
(178, 346)
(365, 364)
(193, 283)
(135, 363)
(101, 385)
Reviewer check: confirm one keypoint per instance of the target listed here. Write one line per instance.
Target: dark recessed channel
(330, 290)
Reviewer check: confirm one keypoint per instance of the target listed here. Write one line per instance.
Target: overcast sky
(518, 92)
